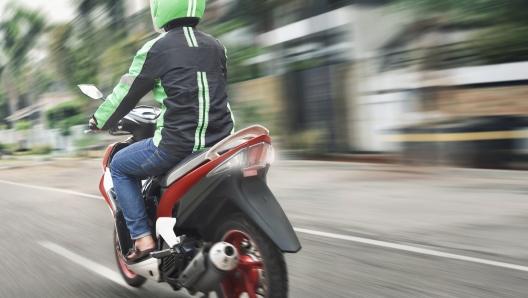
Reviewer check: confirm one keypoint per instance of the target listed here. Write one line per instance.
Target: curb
(424, 170)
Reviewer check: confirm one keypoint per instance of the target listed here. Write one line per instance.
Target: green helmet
(164, 11)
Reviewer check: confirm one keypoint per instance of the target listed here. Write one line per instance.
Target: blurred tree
(114, 8)
(66, 115)
(19, 30)
(502, 26)
(78, 48)
(257, 14)
(74, 59)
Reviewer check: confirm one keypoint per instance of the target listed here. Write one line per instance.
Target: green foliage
(256, 14)
(249, 113)
(20, 29)
(117, 58)
(502, 26)
(22, 125)
(75, 60)
(65, 116)
(43, 149)
(237, 69)
(225, 27)
(62, 111)
(8, 148)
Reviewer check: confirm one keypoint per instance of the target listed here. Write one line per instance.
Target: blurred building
(35, 112)
(317, 50)
(347, 76)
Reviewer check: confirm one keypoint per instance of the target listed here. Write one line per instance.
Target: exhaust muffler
(206, 270)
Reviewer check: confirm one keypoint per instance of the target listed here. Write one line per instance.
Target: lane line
(311, 232)
(54, 189)
(412, 249)
(90, 265)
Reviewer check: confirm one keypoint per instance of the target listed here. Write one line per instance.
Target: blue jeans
(129, 166)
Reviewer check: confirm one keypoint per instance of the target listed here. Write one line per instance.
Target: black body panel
(219, 196)
(123, 233)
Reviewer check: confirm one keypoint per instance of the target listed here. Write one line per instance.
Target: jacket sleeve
(132, 87)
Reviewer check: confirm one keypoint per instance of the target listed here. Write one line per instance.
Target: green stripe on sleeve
(232, 118)
(197, 137)
(206, 112)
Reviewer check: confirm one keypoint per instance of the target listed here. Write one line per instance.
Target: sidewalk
(23, 161)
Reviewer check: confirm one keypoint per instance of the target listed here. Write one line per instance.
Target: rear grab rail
(246, 133)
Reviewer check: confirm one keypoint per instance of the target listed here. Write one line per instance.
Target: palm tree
(115, 9)
(19, 31)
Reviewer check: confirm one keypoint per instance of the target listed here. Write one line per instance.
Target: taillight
(249, 160)
(258, 158)
(106, 157)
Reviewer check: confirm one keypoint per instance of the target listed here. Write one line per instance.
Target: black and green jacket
(186, 70)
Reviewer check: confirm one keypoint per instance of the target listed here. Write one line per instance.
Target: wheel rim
(128, 273)
(249, 276)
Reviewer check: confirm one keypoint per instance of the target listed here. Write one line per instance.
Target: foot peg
(169, 252)
(162, 253)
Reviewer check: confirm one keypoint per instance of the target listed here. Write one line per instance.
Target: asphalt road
(399, 212)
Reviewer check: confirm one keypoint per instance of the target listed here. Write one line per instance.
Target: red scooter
(218, 226)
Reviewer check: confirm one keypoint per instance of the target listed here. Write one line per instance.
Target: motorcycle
(218, 227)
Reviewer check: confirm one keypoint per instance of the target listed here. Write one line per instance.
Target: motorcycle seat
(184, 167)
(191, 162)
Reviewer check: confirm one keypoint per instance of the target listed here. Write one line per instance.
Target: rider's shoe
(139, 255)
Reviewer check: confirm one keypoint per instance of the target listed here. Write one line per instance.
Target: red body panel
(180, 187)
(105, 195)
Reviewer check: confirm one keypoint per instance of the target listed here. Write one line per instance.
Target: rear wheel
(130, 277)
(261, 271)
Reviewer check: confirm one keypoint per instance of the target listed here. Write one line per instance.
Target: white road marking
(300, 230)
(54, 189)
(412, 249)
(99, 269)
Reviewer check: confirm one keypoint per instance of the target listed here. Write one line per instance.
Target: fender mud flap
(258, 202)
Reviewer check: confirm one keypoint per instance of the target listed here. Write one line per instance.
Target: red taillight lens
(257, 155)
(249, 160)
(107, 156)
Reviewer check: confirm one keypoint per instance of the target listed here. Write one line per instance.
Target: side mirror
(91, 91)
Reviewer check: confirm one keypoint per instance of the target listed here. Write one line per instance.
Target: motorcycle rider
(186, 71)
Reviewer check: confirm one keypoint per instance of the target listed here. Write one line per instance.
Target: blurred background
(403, 121)
(411, 81)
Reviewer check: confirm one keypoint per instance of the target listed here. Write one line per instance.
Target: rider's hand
(92, 121)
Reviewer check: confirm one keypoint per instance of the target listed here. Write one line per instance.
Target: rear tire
(272, 279)
(130, 277)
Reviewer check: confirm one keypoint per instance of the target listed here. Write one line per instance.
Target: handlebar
(91, 128)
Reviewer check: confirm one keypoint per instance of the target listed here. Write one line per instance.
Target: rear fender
(253, 197)
(229, 193)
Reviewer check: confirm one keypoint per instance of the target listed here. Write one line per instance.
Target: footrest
(160, 254)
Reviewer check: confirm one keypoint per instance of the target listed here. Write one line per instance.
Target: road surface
(366, 231)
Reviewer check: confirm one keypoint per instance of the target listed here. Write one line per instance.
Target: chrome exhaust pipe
(206, 270)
